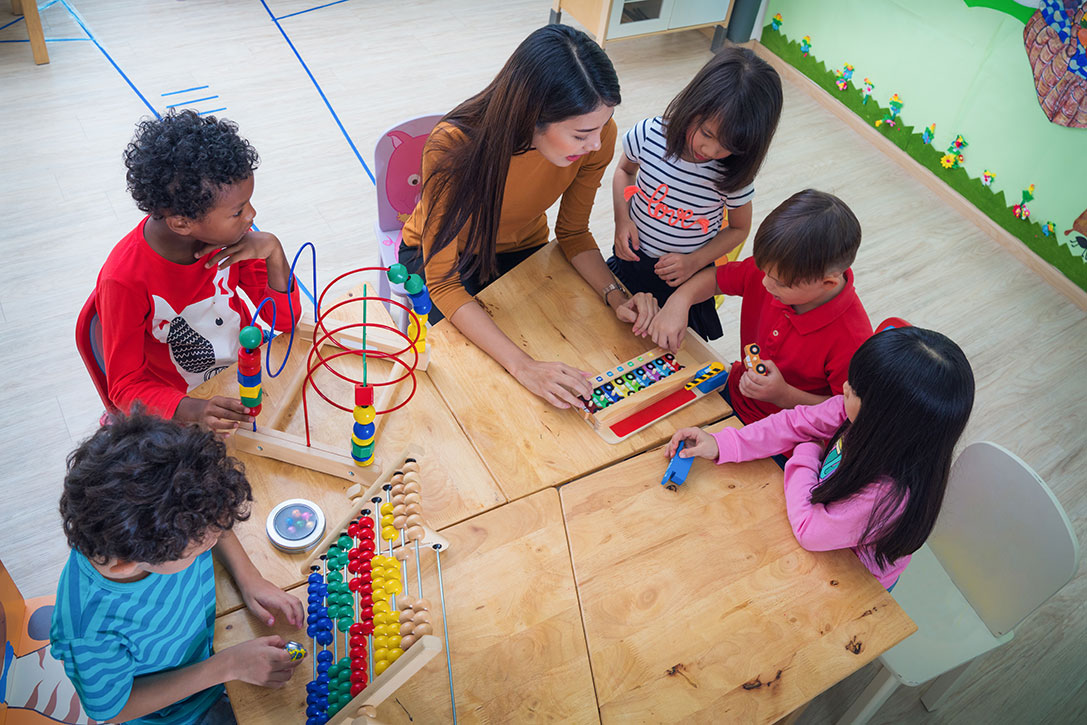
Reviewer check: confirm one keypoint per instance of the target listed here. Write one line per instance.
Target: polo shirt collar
(825, 313)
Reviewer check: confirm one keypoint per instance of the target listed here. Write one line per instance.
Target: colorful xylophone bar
(628, 379)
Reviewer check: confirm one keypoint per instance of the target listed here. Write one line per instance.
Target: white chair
(398, 164)
(1001, 547)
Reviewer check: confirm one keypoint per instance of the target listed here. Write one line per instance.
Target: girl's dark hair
(740, 93)
(916, 390)
(556, 73)
(143, 489)
(809, 235)
(179, 163)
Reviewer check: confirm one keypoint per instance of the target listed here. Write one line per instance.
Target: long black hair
(556, 73)
(740, 93)
(916, 390)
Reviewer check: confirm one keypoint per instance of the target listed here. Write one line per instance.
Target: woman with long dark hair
(541, 131)
(877, 485)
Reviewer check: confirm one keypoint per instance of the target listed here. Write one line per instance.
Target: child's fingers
(261, 613)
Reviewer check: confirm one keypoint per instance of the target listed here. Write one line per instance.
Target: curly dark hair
(143, 489)
(178, 164)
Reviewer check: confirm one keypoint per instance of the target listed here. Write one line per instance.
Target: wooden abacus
(387, 635)
(641, 391)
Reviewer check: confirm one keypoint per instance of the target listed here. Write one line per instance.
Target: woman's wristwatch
(609, 289)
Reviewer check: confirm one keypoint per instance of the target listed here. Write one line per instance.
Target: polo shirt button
(775, 333)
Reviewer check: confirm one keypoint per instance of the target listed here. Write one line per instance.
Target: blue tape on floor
(186, 90)
(195, 100)
(301, 12)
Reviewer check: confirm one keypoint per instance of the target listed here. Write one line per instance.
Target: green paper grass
(1052, 249)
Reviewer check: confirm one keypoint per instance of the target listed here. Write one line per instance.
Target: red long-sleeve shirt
(168, 327)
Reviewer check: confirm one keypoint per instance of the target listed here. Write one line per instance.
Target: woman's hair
(739, 94)
(556, 73)
(916, 390)
(144, 489)
(178, 164)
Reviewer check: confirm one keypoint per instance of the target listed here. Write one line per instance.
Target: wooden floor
(64, 206)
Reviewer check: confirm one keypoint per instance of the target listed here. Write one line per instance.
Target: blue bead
(311, 687)
(248, 380)
(324, 656)
(322, 684)
(313, 608)
(314, 720)
(312, 620)
(311, 631)
(324, 637)
(311, 699)
(322, 700)
(323, 611)
(322, 667)
(421, 304)
(322, 589)
(312, 711)
(363, 431)
(315, 577)
(324, 623)
(315, 598)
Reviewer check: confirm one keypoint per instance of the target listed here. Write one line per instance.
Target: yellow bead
(381, 642)
(249, 392)
(364, 415)
(394, 654)
(394, 642)
(388, 533)
(365, 463)
(387, 519)
(380, 605)
(386, 510)
(384, 619)
(380, 666)
(376, 572)
(394, 586)
(381, 654)
(357, 442)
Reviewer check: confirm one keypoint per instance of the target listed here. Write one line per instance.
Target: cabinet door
(698, 12)
(635, 17)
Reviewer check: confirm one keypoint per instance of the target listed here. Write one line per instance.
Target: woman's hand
(670, 325)
(698, 443)
(556, 382)
(639, 310)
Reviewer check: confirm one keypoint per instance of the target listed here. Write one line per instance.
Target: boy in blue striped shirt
(145, 501)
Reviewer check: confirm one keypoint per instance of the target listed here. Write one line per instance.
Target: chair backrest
(88, 340)
(398, 165)
(1002, 536)
(891, 323)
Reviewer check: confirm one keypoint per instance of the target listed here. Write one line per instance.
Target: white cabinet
(613, 19)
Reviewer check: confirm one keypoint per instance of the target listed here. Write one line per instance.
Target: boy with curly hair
(145, 502)
(167, 295)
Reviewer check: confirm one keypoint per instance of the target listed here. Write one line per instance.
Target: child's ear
(181, 225)
(120, 569)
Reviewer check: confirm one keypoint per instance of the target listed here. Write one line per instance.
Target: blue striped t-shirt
(108, 633)
(677, 207)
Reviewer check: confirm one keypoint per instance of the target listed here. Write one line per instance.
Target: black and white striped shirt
(677, 207)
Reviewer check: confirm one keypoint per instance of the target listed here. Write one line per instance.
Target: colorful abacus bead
(362, 433)
(421, 305)
(249, 368)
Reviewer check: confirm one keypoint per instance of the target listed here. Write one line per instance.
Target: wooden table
(458, 484)
(700, 606)
(545, 307)
(515, 631)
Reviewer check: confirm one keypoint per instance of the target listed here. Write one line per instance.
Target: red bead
(249, 368)
(367, 546)
(357, 687)
(355, 584)
(366, 613)
(366, 566)
(364, 395)
(254, 411)
(354, 566)
(366, 522)
(367, 588)
(358, 651)
(358, 674)
(356, 629)
(358, 640)
(354, 553)
(365, 600)
(353, 529)
(244, 354)
(359, 664)
(368, 626)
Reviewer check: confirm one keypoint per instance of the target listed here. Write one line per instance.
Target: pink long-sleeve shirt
(818, 527)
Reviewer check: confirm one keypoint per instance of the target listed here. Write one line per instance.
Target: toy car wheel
(672, 487)
(753, 349)
(761, 369)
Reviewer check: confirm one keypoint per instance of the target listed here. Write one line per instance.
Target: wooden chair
(1002, 546)
(29, 10)
(398, 166)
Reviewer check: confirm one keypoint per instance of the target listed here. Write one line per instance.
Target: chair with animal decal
(398, 165)
(34, 689)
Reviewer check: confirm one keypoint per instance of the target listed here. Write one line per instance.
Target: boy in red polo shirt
(799, 306)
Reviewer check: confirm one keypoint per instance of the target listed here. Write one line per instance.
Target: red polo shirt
(812, 350)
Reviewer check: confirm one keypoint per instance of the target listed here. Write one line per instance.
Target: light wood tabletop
(516, 638)
(699, 604)
(545, 307)
(459, 487)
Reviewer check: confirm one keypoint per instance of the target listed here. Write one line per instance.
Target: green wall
(964, 69)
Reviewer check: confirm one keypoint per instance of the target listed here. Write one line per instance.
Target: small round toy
(250, 337)
(295, 650)
(295, 525)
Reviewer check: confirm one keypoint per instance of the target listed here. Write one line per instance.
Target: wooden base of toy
(642, 409)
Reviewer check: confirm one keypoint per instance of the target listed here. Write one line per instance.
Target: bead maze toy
(369, 624)
(643, 390)
(373, 399)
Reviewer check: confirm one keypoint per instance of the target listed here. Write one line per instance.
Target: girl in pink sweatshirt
(869, 467)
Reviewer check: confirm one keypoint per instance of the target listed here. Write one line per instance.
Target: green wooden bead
(398, 273)
(414, 285)
(344, 623)
(345, 541)
(250, 337)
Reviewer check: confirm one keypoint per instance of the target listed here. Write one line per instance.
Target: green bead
(344, 623)
(253, 402)
(344, 698)
(333, 551)
(414, 285)
(345, 542)
(345, 663)
(333, 671)
(362, 452)
(250, 337)
(398, 273)
(335, 577)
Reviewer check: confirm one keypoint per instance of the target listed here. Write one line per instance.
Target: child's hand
(639, 310)
(669, 326)
(222, 415)
(675, 269)
(254, 245)
(262, 595)
(699, 443)
(626, 239)
(262, 662)
(770, 387)
(556, 382)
